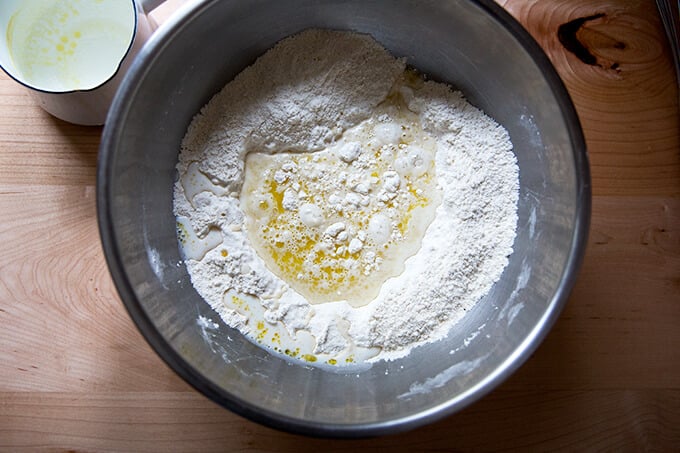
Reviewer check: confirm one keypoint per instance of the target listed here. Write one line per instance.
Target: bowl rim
(189, 374)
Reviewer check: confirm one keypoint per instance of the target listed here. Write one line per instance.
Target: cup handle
(149, 5)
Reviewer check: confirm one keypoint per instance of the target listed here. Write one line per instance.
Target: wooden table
(76, 375)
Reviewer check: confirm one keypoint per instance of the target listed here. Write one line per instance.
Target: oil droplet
(309, 357)
(237, 301)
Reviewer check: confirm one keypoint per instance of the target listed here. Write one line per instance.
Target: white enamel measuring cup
(72, 54)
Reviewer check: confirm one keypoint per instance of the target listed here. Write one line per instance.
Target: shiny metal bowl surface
(473, 45)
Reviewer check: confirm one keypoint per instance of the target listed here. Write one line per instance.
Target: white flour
(321, 92)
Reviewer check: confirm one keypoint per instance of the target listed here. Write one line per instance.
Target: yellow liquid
(67, 45)
(376, 236)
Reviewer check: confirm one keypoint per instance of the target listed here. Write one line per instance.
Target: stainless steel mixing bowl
(473, 45)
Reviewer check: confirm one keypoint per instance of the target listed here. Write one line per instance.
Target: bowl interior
(474, 46)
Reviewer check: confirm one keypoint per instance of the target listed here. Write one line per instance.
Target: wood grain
(76, 375)
(629, 113)
(611, 420)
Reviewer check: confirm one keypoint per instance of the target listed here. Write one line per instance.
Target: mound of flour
(301, 96)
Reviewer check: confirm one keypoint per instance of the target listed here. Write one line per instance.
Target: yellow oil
(299, 254)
